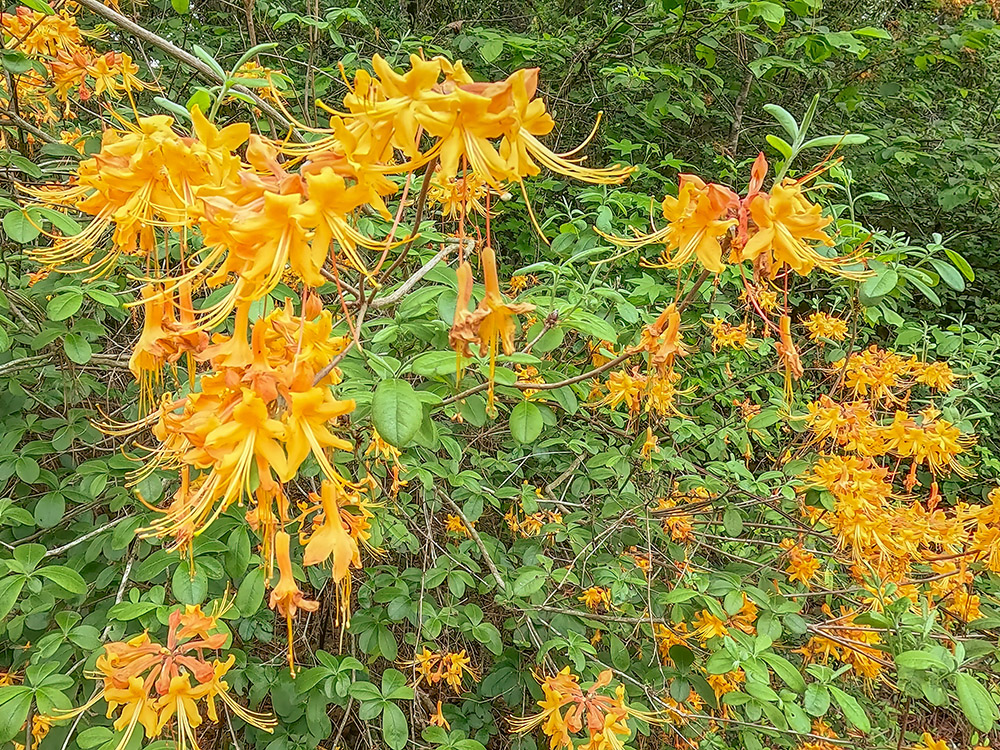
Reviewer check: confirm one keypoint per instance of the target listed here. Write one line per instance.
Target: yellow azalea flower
(725, 335)
(650, 446)
(457, 196)
(697, 220)
(437, 719)
(217, 687)
(802, 565)
(788, 353)
(708, 626)
(307, 430)
(661, 340)
(938, 376)
(624, 388)
(492, 324)
(138, 708)
(286, 598)
(454, 525)
(823, 326)
(332, 540)
(787, 223)
(927, 742)
(143, 177)
(596, 597)
(181, 700)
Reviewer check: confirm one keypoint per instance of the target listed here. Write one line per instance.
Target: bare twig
(102, 10)
(474, 535)
(404, 289)
(86, 537)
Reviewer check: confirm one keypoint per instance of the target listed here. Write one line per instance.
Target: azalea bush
(386, 422)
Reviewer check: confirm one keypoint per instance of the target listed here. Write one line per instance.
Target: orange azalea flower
(337, 541)
(491, 325)
(823, 326)
(286, 598)
(787, 223)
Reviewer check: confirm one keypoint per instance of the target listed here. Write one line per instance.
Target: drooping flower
(286, 597)
(491, 325)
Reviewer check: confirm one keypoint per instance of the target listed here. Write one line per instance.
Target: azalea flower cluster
(68, 69)
(164, 688)
(566, 710)
(775, 229)
(212, 221)
(847, 643)
(874, 454)
(244, 429)
(432, 668)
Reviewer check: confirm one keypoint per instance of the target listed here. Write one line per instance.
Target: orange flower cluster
(727, 336)
(432, 667)
(847, 643)
(774, 230)
(822, 326)
(802, 564)
(160, 687)
(66, 69)
(886, 531)
(567, 710)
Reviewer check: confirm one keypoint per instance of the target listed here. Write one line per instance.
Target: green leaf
(852, 709)
(529, 581)
(784, 118)
(50, 509)
(919, 660)
(27, 469)
(829, 141)
(189, 589)
(525, 422)
(732, 522)
(15, 702)
(949, 274)
(765, 419)
(250, 595)
(64, 305)
(40, 6)
(976, 702)
(961, 264)
(682, 656)
(181, 6)
(491, 49)
(64, 577)
(817, 699)
(102, 297)
(780, 145)
(879, 285)
(77, 348)
(18, 227)
(206, 58)
(396, 412)
(173, 107)
(65, 224)
(395, 732)
(15, 62)
(10, 589)
(785, 670)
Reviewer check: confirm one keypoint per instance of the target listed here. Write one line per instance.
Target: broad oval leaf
(396, 412)
(525, 422)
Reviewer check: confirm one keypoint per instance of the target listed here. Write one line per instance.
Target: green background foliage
(683, 87)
